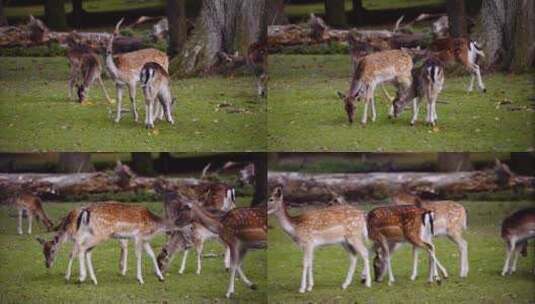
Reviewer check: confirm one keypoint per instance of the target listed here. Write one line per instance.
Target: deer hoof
(362, 281)
(253, 287)
(484, 90)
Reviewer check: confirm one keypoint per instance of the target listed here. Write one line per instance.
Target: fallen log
(301, 188)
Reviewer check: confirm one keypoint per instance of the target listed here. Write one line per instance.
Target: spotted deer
(517, 230)
(427, 83)
(155, 84)
(241, 229)
(66, 231)
(100, 222)
(381, 67)
(125, 68)
(31, 205)
(388, 226)
(449, 219)
(342, 224)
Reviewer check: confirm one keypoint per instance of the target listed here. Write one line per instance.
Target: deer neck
(112, 68)
(285, 220)
(206, 219)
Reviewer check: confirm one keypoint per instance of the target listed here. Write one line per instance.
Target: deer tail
(83, 218)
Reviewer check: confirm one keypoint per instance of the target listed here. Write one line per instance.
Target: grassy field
(24, 278)
(483, 285)
(211, 114)
(306, 115)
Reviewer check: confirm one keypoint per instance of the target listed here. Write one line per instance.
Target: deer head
(49, 251)
(348, 105)
(275, 201)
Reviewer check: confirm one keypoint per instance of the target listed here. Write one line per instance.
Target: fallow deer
(449, 219)
(388, 226)
(241, 229)
(257, 60)
(517, 229)
(125, 68)
(31, 205)
(427, 82)
(66, 231)
(155, 84)
(387, 66)
(342, 224)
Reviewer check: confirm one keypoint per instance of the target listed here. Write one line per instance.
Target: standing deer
(517, 229)
(387, 66)
(155, 84)
(449, 219)
(66, 231)
(342, 224)
(427, 82)
(388, 226)
(125, 68)
(31, 204)
(241, 229)
(257, 60)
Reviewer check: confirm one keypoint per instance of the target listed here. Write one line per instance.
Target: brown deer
(342, 224)
(155, 84)
(241, 229)
(257, 60)
(66, 231)
(124, 70)
(388, 226)
(517, 229)
(102, 221)
(427, 82)
(381, 67)
(449, 219)
(30, 204)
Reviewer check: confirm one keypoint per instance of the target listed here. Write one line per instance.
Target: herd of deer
(412, 83)
(147, 66)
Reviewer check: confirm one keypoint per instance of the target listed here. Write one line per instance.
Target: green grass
(24, 278)
(306, 115)
(36, 114)
(483, 285)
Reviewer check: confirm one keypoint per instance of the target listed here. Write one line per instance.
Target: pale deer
(124, 70)
(381, 67)
(449, 219)
(31, 205)
(517, 229)
(342, 224)
(66, 231)
(257, 60)
(155, 84)
(388, 226)
(241, 229)
(427, 83)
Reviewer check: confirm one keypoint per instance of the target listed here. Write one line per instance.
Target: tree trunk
(75, 162)
(142, 163)
(176, 16)
(357, 11)
(261, 180)
(55, 14)
(275, 12)
(457, 18)
(77, 12)
(227, 26)
(3, 19)
(454, 162)
(506, 29)
(335, 13)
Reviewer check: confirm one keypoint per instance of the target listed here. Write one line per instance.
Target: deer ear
(277, 192)
(40, 240)
(340, 95)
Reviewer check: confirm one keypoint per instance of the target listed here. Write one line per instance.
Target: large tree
(78, 12)
(143, 164)
(75, 162)
(357, 11)
(3, 19)
(226, 26)
(457, 17)
(335, 13)
(506, 28)
(55, 14)
(176, 16)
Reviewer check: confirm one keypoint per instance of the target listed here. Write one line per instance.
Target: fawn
(517, 229)
(31, 204)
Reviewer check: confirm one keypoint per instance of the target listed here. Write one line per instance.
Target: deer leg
(150, 252)
(362, 250)
(515, 257)
(183, 264)
(132, 93)
(165, 102)
(139, 252)
(234, 262)
(471, 83)
(30, 219)
(414, 111)
(89, 261)
(365, 112)
(243, 252)
(433, 111)
(99, 78)
(124, 256)
(374, 114)
(480, 83)
(74, 252)
(227, 258)
(310, 270)
(81, 259)
(149, 124)
(199, 249)
(510, 248)
(462, 246)
(414, 263)
(306, 251)
(19, 225)
(120, 89)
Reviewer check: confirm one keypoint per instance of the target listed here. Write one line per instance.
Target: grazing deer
(125, 68)
(449, 219)
(517, 229)
(155, 84)
(388, 226)
(100, 222)
(257, 60)
(66, 231)
(387, 66)
(342, 224)
(241, 229)
(31, 205)
(427, 82)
